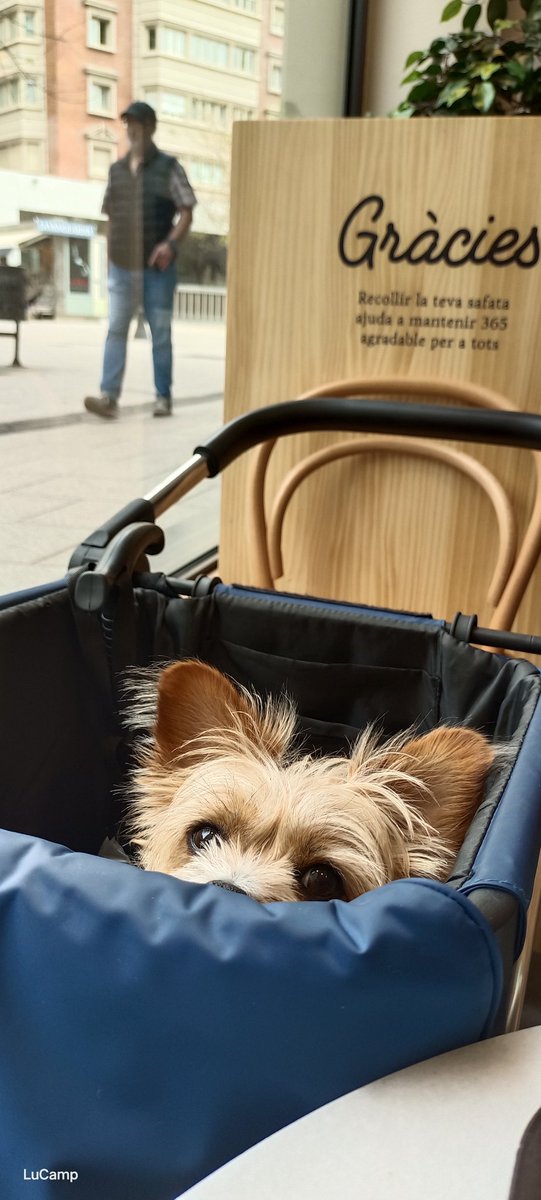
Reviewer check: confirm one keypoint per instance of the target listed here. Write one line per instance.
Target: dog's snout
(229, 887)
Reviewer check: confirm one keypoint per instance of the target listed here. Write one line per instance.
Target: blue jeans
(128, 290)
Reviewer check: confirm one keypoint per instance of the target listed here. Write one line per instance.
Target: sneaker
(102, 406)
(162, 407)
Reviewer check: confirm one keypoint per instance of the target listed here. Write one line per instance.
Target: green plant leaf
(451, 93)
(437, 47)
(496, 11)
(483, 96)
(472, 16)
(484, 70)
(451, 10)
(423, 91)
(414, 57)
(403, 110)
(412, 77)
(518, 72)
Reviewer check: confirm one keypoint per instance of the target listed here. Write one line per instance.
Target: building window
(243, 114)
(206, 174)
(246, 5)
(9, 93)
(209, 50)
(9, 29)
(151, 37)
(275, 78)
(31, 90)
(172, 104)
(101, 31)
(209, 112)
(29, 22)
(101, 98)
(100, 159)
(244, 60)
(277, 17)
(172, 41)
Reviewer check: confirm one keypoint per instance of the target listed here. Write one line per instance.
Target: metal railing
(194, 303)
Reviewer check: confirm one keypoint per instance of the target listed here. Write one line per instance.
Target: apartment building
(23, 108)
(65, 74)
(88, 70)
(198, 63)
(68, 68)
(272, 53)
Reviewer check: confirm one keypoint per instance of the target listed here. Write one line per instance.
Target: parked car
(44, 303)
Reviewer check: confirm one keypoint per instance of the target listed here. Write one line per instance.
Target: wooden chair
(512, 570)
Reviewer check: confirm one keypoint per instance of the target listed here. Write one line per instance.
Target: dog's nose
(229, 887)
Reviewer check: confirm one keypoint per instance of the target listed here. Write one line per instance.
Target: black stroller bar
(465, 629)
(369, 416)
(521, 430)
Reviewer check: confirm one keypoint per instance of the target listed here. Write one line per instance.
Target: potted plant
(475, 70)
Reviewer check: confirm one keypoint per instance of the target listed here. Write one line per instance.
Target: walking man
(146, 190)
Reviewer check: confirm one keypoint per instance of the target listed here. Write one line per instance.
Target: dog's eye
(202, 836)
(321, 882)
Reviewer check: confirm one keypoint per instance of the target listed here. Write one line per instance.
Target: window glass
(68, 69)
(209, 50)
(9, 93)
(277, 17)
(101, 97)
(172, 103)
(172, 41)
(275, 77)
(244, 60)
(209, 112)
(31, 89)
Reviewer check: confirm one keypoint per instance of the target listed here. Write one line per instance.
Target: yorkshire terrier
(223, 796)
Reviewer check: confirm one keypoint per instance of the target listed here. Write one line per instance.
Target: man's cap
(139, 111)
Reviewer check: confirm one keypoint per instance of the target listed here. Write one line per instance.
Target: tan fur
(284, 822)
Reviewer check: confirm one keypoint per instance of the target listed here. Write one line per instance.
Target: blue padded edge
(152, 1030)
(12, 599)
(508, 855)
(367, 610)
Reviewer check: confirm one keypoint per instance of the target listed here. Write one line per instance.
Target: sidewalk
(63, 471)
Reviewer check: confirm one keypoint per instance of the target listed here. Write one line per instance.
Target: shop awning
(24, 235)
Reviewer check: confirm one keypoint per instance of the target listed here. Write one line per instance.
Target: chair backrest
(498, 598)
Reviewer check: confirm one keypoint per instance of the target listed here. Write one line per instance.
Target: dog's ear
(452, 764)
(194, 699)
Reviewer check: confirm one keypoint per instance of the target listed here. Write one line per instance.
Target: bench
(13, 303)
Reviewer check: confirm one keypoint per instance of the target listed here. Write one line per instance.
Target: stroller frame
(178, 963)
(131, 533)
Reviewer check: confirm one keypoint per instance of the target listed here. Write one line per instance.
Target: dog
(221, 794)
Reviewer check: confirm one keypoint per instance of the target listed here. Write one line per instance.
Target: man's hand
(162, 255)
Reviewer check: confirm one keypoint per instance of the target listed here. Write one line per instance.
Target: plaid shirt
(141, 205)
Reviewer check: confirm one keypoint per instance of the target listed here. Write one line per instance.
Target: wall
(315, 46)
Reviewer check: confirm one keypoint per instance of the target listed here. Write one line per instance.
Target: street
(63, 471)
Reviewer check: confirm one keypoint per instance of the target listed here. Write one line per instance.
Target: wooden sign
(386, 250)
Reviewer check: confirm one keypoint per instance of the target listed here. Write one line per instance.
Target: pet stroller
(152, 1029)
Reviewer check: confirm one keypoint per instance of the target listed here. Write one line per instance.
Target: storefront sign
(60, 227)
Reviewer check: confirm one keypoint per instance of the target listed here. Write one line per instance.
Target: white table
(444, 1128)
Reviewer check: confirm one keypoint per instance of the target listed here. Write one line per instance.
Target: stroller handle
(368, 416)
